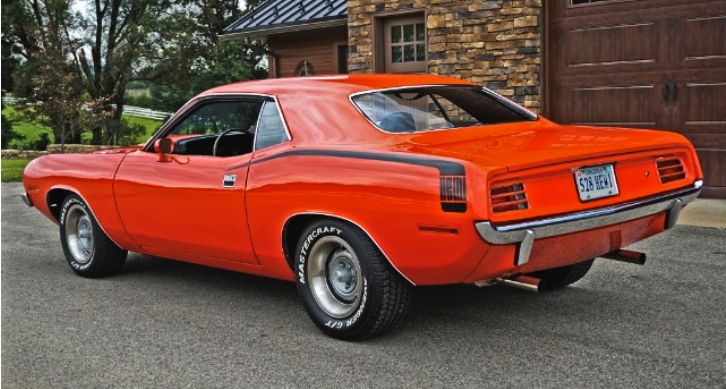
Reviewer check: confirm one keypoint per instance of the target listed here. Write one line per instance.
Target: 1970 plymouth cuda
(359, 187)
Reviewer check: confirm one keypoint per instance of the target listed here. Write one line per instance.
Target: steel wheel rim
(79, 234)
(335, 277)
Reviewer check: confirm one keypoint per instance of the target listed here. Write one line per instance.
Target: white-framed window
(404, 44)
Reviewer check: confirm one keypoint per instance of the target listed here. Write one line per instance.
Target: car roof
(345, 84)
(318, 109)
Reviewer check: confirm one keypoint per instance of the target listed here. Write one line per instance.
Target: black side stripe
(445, 168)
(452, 181)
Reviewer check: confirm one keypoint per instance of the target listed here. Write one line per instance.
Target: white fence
(11, 100)
(129, 110)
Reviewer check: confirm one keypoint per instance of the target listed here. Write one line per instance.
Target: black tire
(88, 250)
(561, 277)
(347, 286)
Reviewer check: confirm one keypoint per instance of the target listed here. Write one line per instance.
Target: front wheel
(347, 286)
(88, 250)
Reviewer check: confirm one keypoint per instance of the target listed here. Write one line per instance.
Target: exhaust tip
(627, 256)
(528, 283)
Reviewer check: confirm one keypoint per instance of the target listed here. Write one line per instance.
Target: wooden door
(644, 64)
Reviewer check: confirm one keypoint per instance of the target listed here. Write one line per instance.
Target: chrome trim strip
(525, 233)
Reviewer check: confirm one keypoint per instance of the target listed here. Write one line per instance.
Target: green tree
(15, 41)
(113, 37)
(198, 59)
(173, 44)
(7, 132)
(121, 35)
(56, 97)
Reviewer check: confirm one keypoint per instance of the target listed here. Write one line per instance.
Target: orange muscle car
(359, 187)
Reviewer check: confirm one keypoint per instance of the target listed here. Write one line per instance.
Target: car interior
(229, 143)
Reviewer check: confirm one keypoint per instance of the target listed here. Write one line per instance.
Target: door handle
(674, 87)
(666, 90)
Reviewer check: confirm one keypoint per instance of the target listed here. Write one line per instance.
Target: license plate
(596, 182)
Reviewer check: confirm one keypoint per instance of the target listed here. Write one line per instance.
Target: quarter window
(270, 129)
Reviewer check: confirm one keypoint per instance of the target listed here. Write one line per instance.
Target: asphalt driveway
(167, 324)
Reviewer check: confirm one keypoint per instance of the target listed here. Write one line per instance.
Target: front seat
(398, 122)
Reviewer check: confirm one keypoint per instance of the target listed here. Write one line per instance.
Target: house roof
(278, 16)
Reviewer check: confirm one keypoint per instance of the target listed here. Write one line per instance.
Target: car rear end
(568, 210)
(538, 194)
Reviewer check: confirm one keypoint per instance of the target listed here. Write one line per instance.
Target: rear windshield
(417, 109)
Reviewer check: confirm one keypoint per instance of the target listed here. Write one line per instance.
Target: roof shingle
(275, 15)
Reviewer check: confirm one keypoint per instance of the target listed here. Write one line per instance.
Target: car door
(190, 203)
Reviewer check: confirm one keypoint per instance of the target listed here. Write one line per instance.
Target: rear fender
(296, 223)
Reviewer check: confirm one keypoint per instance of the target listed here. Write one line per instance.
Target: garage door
(642, 63)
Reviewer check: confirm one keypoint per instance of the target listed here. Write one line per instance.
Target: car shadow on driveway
(458, 310)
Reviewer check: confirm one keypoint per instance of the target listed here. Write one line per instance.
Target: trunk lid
(532, 166)
(527, 145)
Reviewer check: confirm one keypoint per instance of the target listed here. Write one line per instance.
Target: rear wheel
(347, 286)
(561, 277)
(88, 250)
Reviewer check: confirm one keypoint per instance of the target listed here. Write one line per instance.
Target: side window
(270, 129)
(221, 129)
(217, 117)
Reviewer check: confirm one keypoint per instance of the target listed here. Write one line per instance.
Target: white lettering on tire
(304, 250)
(341, 324)
(66, 206)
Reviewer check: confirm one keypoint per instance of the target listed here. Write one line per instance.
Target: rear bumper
(524, 234)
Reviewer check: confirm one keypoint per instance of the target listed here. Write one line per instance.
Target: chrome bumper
(26, 199)
(525, 233)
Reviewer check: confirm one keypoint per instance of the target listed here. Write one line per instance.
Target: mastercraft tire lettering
(347, 286)
(88, 250)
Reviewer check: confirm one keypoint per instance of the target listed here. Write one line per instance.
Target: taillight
(508, 198)
(670, 169)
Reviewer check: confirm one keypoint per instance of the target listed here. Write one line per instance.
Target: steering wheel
(221, 134)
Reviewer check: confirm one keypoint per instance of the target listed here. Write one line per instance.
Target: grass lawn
(151, 126)
(32, 131)
(12, 169)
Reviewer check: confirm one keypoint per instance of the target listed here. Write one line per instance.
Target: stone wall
(21, 154)
(492, 43)
(52, 149)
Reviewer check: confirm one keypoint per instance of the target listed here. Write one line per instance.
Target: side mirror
(164, 146)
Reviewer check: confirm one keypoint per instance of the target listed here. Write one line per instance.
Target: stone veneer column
(492, 43)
